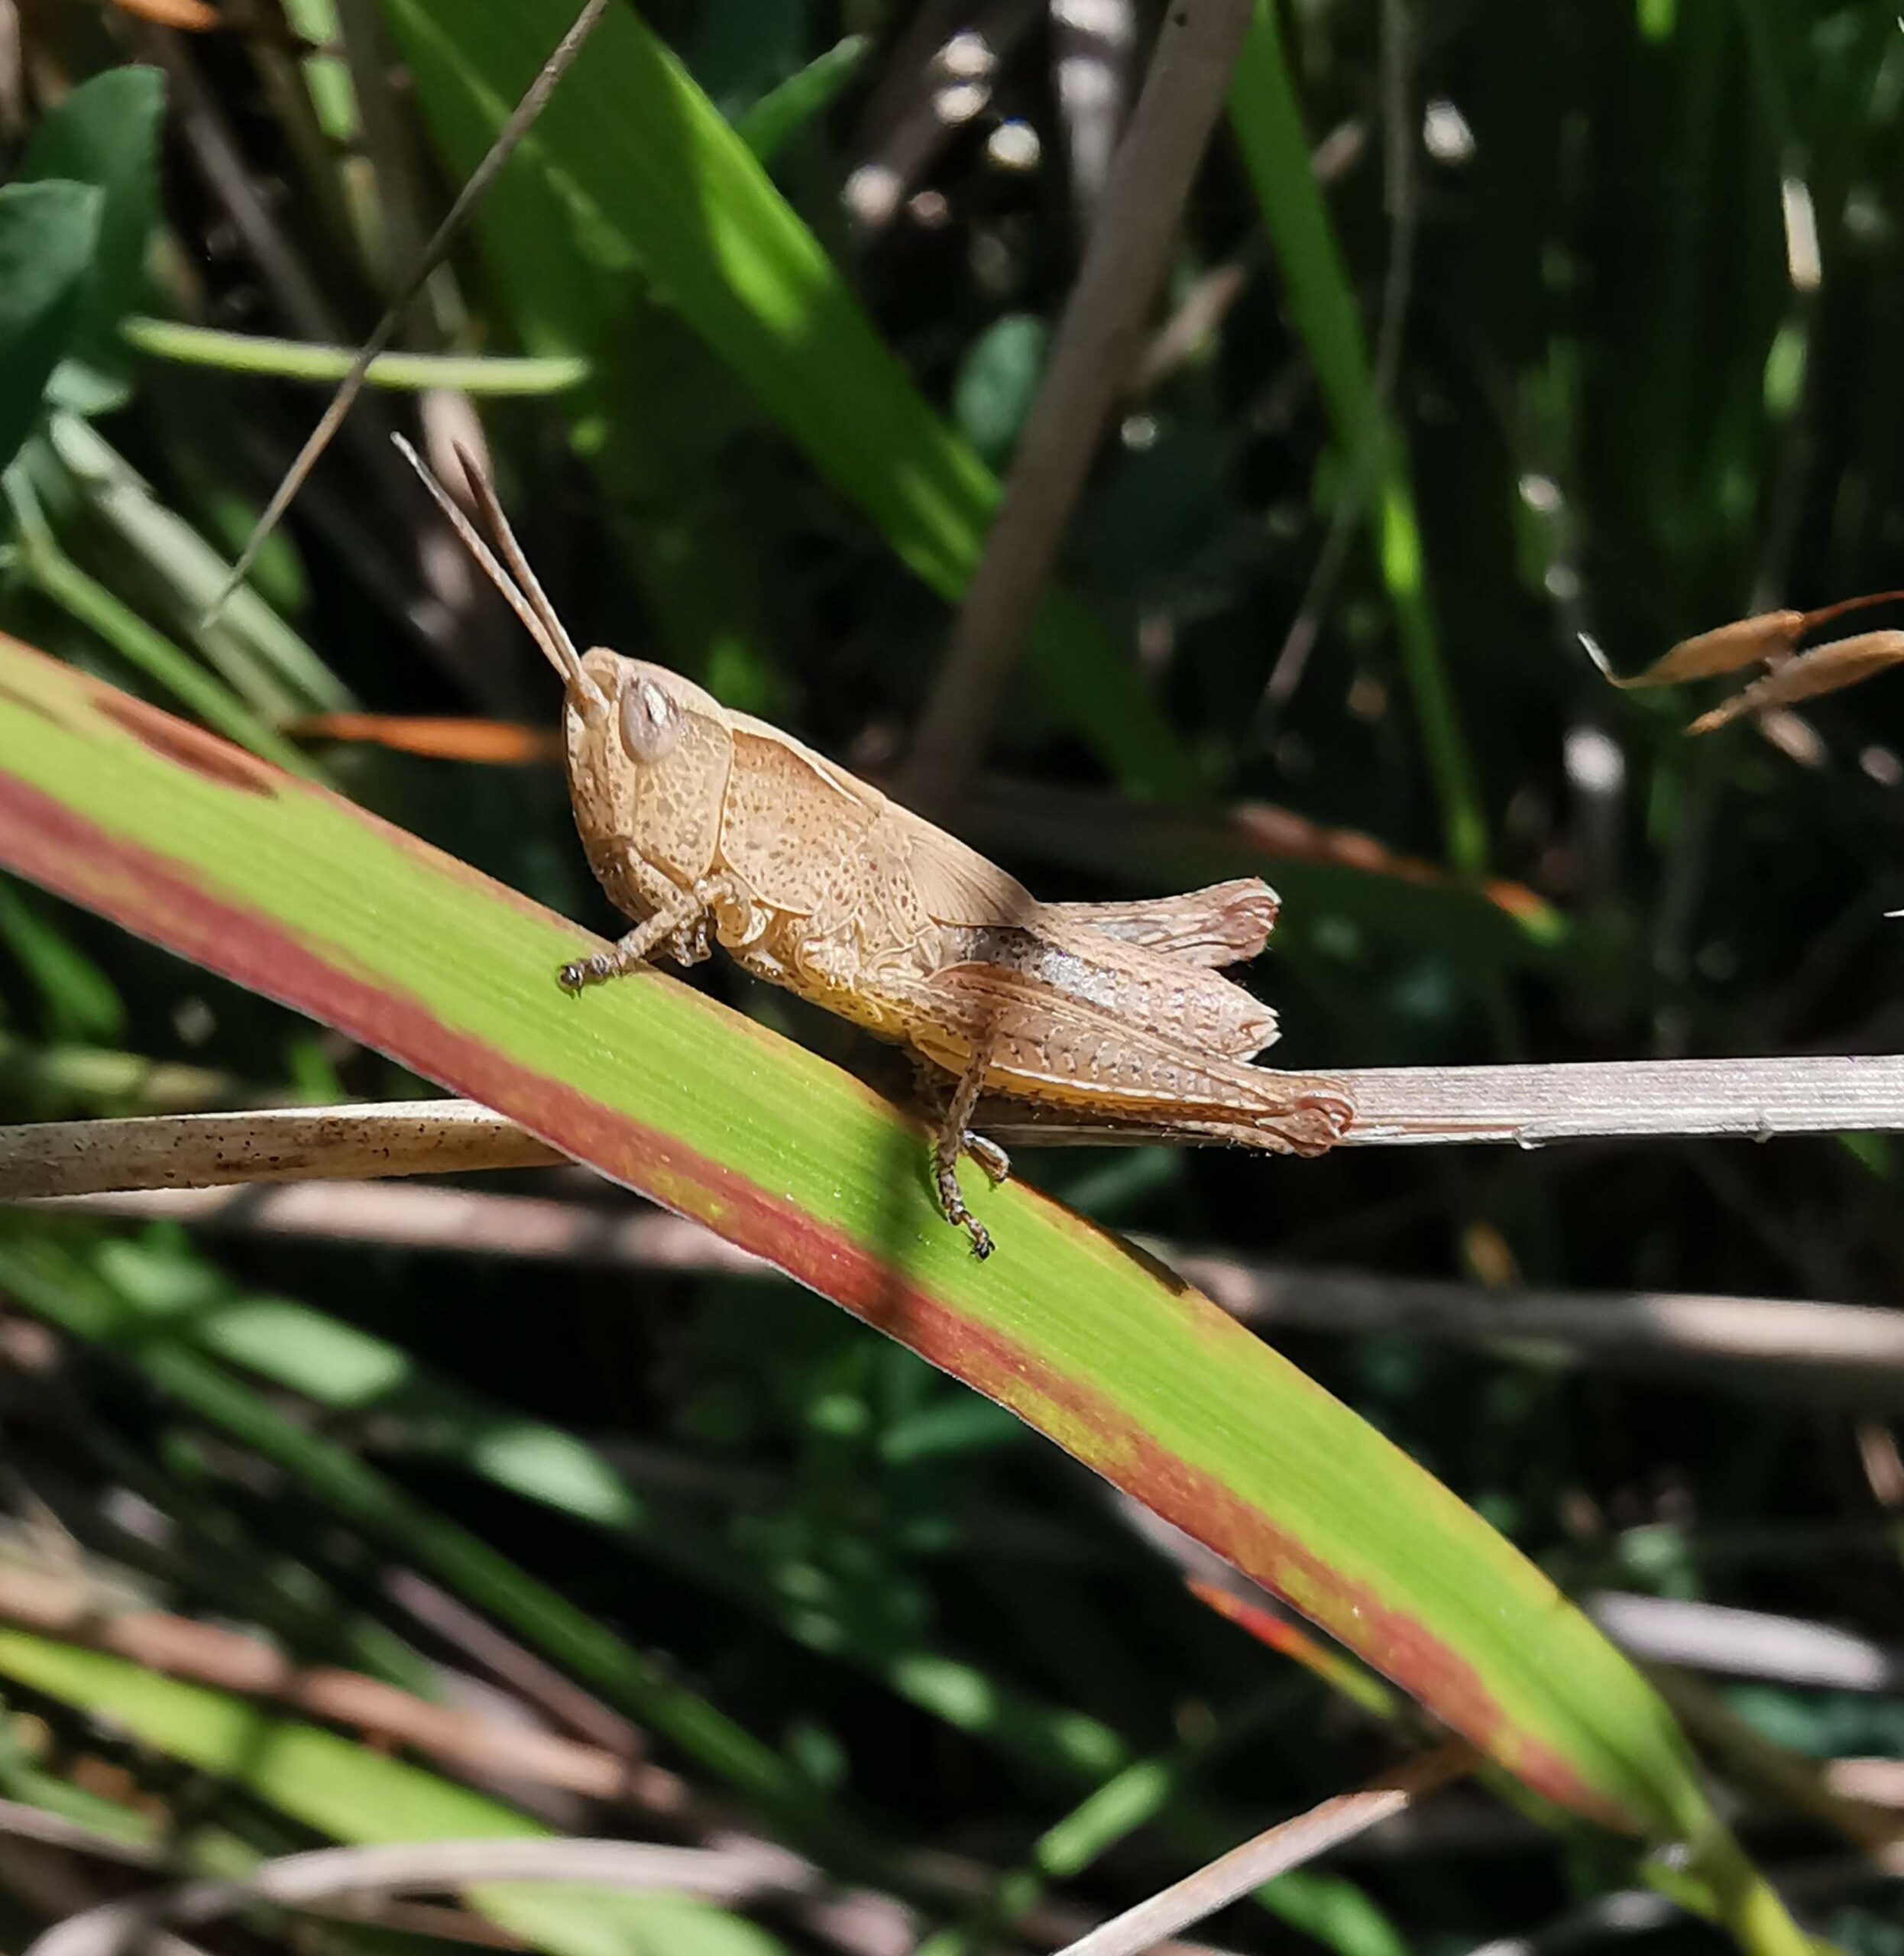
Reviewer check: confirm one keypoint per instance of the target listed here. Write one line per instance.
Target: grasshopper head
(655, 765)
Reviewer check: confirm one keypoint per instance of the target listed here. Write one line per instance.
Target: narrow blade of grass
(1321, 303)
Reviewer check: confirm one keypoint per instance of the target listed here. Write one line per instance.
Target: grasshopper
(708, 826)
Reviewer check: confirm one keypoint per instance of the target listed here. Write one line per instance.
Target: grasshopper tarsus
(952, 1207)
(678, 928)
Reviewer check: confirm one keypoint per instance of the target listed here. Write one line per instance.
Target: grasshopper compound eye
(650, 722)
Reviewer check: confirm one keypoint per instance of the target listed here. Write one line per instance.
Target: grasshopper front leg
(681, 923)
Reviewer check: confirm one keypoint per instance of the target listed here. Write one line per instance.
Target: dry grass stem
(267, 1144)
(1290, 1845)
(1751, 1643)
(70, 1607)
(1094, 352)
(741, 1872)
(1527, 1106)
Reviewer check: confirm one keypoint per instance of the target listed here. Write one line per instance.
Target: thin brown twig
(1529, 1107)
(73, 1609)
(20, 1821)
(482, 1646)
(1854, 1352)
(742, 1871)
(1094, 354)
(408, 1216)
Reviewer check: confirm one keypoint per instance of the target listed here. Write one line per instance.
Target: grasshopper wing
(955, 885)
(1043, 1047)
(1226, 924)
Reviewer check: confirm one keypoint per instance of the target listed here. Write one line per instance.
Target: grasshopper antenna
(517, 583)
(483, 492)
(512, 132)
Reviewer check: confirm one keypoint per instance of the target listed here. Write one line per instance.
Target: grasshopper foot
(991, 1158)
(945, 1185)
(595, 970)
(680, 931)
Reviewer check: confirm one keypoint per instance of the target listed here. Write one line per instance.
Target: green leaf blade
(106, 133)
(346, 1790)
(48, 234)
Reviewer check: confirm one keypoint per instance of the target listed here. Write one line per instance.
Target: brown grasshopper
(707, 824)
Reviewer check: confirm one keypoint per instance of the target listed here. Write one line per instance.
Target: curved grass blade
(484, 375)
(286, 888)
(86, 1301)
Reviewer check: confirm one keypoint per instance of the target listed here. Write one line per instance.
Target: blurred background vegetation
(1494, 323)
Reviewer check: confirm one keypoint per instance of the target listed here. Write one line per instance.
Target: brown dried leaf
(1770, 635)
(1842, 662)
(498, 743)
(189, 16)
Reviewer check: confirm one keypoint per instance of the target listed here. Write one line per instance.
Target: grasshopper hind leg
(955, 1138)
(994, 1164)
(935, 1086)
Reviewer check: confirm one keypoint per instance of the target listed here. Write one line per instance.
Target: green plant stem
(1745, 1902)
(495, 375)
